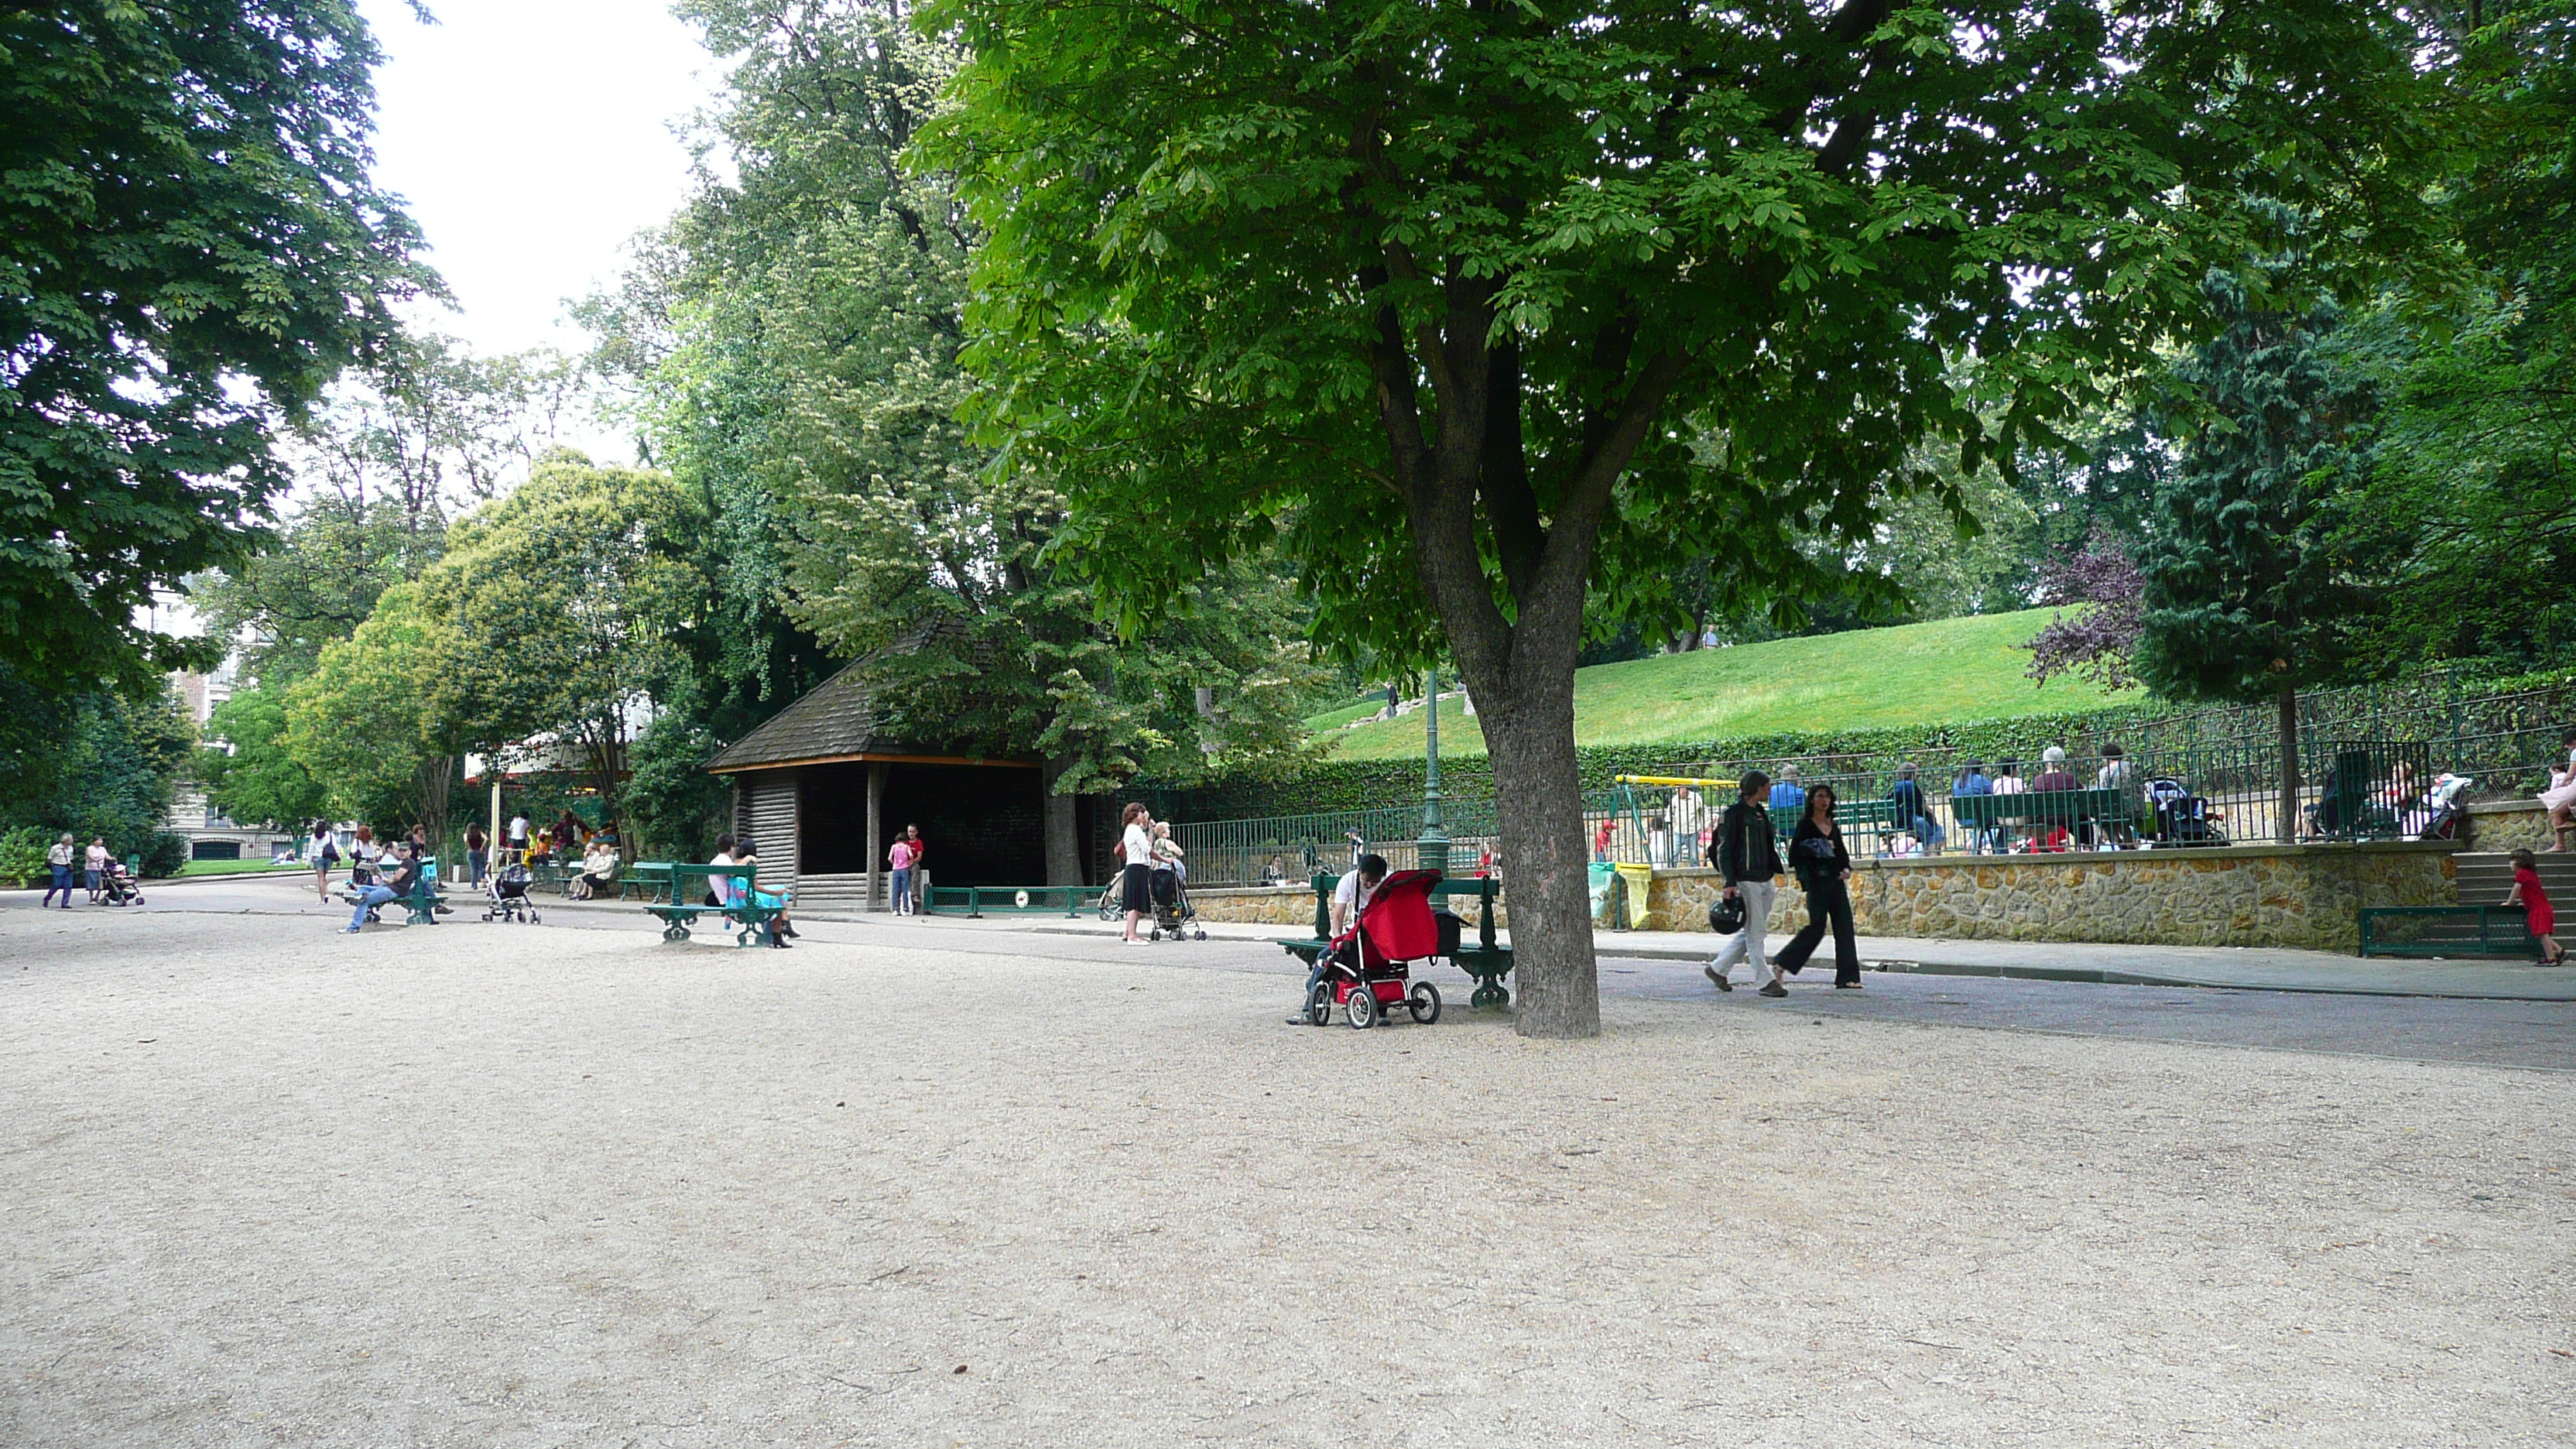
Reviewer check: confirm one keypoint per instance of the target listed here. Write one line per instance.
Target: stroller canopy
(1396, 923)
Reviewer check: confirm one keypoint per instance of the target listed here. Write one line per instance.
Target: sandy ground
(550, 1185)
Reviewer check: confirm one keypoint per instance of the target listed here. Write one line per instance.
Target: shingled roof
(835, 722)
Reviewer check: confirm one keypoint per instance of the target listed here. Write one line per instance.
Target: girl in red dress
(2534, 901)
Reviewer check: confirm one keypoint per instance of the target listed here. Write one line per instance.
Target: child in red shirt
(2536, 914)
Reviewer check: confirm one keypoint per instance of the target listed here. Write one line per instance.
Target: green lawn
(1955, 669)
(1336, 718)
(233, 867)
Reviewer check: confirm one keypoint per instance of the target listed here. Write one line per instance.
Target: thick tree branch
(1503, 472)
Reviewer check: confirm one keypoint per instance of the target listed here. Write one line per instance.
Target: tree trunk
(1063, 841)
(437, 776)
(2286, 827)
(1546, 876)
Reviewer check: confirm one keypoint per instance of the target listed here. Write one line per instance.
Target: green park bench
(2042, 809)
(2450, 931)
(677, 907)
(1486, 961)
(1871, 816)
(1014, 900)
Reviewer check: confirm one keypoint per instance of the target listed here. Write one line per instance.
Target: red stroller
(1364, 971)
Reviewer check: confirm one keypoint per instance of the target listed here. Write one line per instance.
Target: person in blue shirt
(1788, 798)
(1907, 797)
(1972, 781)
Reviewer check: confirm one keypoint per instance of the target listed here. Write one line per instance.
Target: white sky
(531, 139)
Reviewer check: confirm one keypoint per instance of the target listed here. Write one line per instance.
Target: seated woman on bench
(747, 855)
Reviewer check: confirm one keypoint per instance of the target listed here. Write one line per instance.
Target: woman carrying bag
(1816, 854)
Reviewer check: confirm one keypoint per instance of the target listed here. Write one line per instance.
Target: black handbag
(1726, 915)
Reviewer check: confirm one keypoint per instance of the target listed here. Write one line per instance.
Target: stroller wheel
(1424, 1002)
(1153, 933)
(487, 915)
(1319, 1004)
(1200, 934)
(1363, 1006)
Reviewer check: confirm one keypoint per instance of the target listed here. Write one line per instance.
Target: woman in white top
(326, 853)
(1135, 876)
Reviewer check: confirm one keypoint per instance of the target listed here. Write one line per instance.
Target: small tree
(2099, 586)
(247, 770)
(2245, 598)
(367, 722)
(558, 607)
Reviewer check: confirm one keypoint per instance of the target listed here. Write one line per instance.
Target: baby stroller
(507, 893)
(2182, 818)
(2445, 813)
(1174, 916)
(116, 888)
(1364, 972)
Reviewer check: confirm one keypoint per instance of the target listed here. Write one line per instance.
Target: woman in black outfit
(1816, 853)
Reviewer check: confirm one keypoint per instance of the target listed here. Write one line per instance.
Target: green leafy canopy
(189, 243)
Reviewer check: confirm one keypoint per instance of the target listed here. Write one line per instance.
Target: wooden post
(876, 797)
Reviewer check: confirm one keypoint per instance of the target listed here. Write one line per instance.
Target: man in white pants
(1747, 856)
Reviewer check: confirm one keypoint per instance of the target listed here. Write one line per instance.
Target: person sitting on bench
(395, 884)
(1349, 897)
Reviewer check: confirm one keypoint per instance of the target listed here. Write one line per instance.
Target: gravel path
(553, 1186)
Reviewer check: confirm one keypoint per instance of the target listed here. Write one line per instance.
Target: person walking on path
(1746, 853)
(94, 866)
(899, 863)
(59, 862)
(2536, 912)
(518, 836)
(326, 854)
(477, 851)
(1136, 868)
(1824, 869)
(920, 871)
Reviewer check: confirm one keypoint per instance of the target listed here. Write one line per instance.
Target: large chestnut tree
(1489, 309)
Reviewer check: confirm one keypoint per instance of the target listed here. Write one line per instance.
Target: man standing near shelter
(1746, 852)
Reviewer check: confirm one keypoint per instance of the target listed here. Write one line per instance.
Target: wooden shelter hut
(823, 790)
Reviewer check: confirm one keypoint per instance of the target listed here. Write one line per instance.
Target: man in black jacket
(1746, 854)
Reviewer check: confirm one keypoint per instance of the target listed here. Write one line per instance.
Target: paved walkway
(2229, 967)
(2232, 967)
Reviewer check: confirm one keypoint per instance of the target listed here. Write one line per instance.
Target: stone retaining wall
(2509, 825)
(2246, 895)
(2253, 895)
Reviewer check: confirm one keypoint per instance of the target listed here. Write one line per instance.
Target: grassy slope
(1955, 669)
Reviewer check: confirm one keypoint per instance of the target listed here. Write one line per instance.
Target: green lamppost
(1431, 852)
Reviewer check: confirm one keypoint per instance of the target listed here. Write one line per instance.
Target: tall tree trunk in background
(1063, 840)
(2286, 828)
(437, 777)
